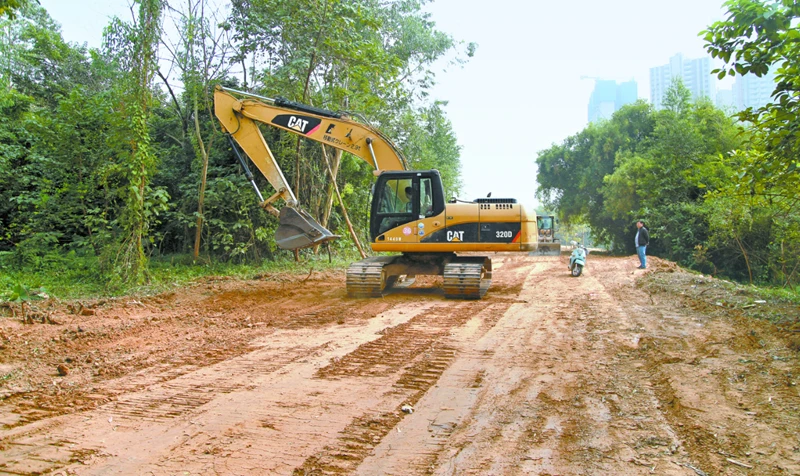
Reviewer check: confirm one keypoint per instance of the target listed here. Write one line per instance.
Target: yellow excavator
(409, 212)
(549, 245)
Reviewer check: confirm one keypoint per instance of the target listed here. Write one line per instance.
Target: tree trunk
(746, 259)
(312, 63)
(337, 159)
(204, 174)
(326, 214)
(132, 259)
(341, 204)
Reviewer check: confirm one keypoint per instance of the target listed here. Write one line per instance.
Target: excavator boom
(240, 112)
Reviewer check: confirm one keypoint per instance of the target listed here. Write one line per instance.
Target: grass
(68, 276)
(782, 294)
(778, 305)
(80, 278)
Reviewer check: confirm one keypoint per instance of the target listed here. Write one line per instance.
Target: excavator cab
(402, 197)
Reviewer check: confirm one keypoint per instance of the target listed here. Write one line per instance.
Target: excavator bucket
(297, 229)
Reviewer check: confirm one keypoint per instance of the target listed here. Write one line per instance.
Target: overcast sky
(522, 91)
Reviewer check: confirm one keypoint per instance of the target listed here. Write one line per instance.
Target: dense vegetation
(719, 193)
(112, 166)
(111, 158)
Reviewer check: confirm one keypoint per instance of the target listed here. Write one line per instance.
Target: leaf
(19, 293)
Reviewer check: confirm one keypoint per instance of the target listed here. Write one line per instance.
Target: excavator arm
(240, 112)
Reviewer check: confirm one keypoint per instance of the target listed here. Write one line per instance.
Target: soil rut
(548, 374)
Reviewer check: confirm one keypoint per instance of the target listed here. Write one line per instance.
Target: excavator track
(367, 278)
(467, 278)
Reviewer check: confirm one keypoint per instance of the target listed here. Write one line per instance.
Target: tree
(644, 164)
(756, 36)
(430, 143)
(84, 134)
(9, 7)
(571, 176)
(53, 141)
(201, 57)
(135, 48)
(35, 58)
(677, 98)
(15, 158)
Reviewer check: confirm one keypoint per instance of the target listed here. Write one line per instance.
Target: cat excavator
(409, 212)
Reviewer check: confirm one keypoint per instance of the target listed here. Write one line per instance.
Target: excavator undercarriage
(463, 277)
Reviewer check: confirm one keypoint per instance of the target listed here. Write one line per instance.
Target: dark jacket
(644, 237)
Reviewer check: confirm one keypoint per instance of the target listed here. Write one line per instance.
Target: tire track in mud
(592, 406)
(30, 450)
(356, 441)
(415, 354)
(184, 332)
(199, 419)
(161, 402)
(398, 346)
(547, 375)
(528, 397)
(442, 411)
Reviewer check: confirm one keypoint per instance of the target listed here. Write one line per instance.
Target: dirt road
(609, 373)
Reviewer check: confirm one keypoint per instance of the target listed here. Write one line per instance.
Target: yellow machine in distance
(409, 212)
(548, 243)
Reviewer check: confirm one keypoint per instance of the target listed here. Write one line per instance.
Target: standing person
(641, 241)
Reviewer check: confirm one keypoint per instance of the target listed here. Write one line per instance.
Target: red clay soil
(619, 371)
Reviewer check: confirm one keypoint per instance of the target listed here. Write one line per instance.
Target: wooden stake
(341, 203)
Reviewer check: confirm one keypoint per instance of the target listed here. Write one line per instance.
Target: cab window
(396, 205)
(545, 223)
(425, 197)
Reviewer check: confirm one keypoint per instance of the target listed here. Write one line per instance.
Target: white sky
(522, 91)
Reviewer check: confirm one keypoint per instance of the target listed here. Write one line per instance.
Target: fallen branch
(699, 472)
(738, 463)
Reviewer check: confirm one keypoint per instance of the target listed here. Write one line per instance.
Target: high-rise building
(751, 91)
(608, 97)
(748, 91)
(695, 74)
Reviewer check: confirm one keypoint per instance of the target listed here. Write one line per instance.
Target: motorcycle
(577, 260)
